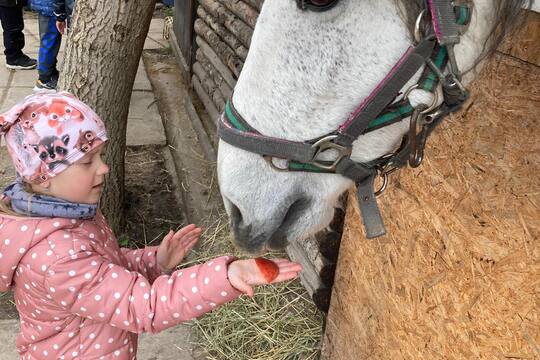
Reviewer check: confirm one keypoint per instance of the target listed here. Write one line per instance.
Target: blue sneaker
(47, 86)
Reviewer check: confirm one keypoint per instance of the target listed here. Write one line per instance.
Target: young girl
(78, 294)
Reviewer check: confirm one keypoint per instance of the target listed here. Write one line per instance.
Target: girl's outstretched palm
(175, 246)
(243, 274)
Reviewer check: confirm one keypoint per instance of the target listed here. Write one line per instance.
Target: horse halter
(432, 50)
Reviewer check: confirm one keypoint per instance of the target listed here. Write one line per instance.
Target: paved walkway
(144, 128)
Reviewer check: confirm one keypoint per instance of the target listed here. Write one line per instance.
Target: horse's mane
(506, 20)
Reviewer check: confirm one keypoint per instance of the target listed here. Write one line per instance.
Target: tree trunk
(102, 55)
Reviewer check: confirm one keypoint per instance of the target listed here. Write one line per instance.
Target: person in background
(49, 46)
(11, 18)
(63, 9)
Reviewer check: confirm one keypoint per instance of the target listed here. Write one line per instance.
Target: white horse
(305, 73)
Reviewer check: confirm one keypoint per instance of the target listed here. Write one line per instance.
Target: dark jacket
(63, 9)
(12, 3)
(44, 7)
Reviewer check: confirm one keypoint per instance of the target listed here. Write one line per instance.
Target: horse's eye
(316, 5)
(322, 2)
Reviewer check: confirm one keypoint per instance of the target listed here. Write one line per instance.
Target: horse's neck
(279, 95)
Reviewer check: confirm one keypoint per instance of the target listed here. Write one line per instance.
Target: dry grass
(279, 322)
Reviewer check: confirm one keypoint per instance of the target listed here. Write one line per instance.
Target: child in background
(49, 46)
(78, 294)
(11, 19)
(63, 9)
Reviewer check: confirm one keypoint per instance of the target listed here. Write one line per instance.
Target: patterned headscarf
(47, 132)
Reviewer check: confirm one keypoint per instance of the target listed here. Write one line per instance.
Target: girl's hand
(61, 26)
(243, 274)
(175, 246)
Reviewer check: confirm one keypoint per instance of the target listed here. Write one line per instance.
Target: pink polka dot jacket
(81, 296)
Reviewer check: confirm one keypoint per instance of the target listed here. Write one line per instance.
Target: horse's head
(305, 73)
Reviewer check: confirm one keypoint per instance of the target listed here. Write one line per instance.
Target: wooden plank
(223, 33)
(225, 53)
(243, 11)
(211, 55)
(209, 86)
(229, 20)
(202, 135)
(207, 102)
(255, 4)
(310, 273)
(525, 44)
(218, 79)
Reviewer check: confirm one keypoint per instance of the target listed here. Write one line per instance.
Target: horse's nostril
(255, 235)
(235, 215)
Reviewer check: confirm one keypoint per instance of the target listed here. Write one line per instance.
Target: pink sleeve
(143, 261)
(90, 286)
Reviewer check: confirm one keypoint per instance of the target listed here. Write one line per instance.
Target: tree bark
(104, 47)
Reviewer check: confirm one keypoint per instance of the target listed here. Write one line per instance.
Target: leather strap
(385, 92)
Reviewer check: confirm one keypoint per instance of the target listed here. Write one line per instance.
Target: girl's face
(81, 182)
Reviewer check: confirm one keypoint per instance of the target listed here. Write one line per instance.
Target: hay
(458, 274)
(280, 322)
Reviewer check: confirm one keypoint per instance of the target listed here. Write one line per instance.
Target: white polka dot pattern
(74, 273)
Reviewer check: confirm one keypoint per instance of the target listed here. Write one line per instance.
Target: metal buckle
(321, 145)
(384, 171)
(417, 139)
(326, 144)
(434, 103)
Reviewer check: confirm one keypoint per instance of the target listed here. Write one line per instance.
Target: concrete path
(144, 128)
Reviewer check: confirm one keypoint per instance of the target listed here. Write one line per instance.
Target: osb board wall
(525, 44)
(458, 274)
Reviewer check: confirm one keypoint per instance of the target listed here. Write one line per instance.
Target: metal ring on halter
(417, 32)
(384, 185)
(384, 171)
(434, 103)
(270, 161)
